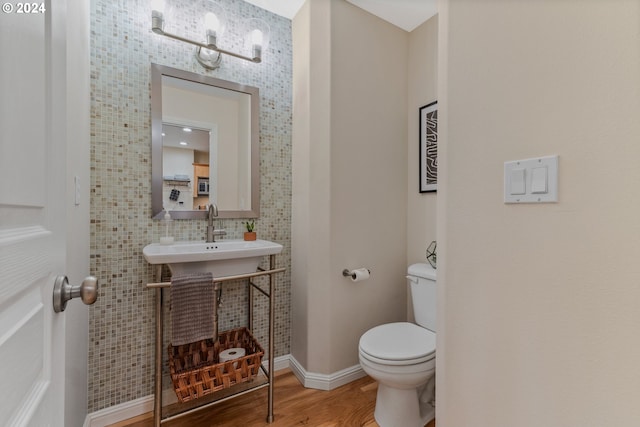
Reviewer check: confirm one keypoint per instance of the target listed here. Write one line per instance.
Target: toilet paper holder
(350, 273)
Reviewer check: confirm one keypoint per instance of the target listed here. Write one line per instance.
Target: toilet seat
(400, 343)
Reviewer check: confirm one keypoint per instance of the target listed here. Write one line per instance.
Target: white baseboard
(280, 363)
(121, 412)
(143, 405)
(324, 381)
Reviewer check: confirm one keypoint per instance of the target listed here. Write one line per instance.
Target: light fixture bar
(157, 27)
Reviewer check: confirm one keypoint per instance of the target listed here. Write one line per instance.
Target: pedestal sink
(223, 258)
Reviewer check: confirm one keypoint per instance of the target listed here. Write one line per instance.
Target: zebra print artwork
(429, 147)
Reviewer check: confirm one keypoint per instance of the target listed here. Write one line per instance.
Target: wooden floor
(351, 405)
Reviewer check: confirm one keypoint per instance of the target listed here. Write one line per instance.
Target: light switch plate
(537, 189)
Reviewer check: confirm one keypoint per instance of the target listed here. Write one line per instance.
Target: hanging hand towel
(192, 308)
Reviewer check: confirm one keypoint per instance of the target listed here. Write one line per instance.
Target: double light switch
(531, 180)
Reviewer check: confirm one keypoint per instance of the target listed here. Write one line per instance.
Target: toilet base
(401, 407)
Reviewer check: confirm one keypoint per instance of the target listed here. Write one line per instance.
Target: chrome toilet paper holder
(350, 273)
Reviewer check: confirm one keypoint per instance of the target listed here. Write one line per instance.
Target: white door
(33, 210)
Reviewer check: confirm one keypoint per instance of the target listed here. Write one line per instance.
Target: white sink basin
(223, 258)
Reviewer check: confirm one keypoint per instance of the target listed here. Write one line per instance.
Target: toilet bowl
(401, 357)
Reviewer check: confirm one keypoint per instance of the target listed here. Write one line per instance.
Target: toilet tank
(422, 279)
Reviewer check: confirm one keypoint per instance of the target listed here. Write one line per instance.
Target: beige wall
(310, 222)
(349, 174)
(422, 81)
(540, 303)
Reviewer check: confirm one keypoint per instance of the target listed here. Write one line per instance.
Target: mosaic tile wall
(123, 47)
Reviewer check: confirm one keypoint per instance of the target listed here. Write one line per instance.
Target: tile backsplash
(121, 330)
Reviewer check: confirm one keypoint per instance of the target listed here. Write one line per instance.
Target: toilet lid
(400, 341)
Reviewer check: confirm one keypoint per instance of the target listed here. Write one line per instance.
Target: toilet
(401, 357)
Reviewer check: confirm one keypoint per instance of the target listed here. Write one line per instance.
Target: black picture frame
(429, 148)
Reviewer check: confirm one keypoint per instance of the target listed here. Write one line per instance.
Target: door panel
(22, 360)
(32, 214)
(23, 37)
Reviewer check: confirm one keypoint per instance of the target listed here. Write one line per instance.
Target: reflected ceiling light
(183, 143)
(186, 129)
(208, 54)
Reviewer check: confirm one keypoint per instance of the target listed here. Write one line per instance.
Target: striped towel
(192, 305)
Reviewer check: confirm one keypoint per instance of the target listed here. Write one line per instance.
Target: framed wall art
(429, 147)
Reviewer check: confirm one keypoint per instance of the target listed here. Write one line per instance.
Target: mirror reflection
(205, 145)
(186, 165)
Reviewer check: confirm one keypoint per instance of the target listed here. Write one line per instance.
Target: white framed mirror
(205, 145)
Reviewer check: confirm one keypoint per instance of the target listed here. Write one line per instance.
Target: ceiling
(406, 14)
(195, 139)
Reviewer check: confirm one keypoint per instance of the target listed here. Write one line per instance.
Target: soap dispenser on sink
(166, 220)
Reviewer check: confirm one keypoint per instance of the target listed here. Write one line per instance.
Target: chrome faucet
(213, 212)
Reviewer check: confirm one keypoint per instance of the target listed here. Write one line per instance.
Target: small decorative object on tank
(431, 253)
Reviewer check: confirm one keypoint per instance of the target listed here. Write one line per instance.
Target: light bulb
(211, 22)
(256, 37)
(157, 6)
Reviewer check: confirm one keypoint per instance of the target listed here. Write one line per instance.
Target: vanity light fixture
(208, 54)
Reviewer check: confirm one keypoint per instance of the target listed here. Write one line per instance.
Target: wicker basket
(196, 371)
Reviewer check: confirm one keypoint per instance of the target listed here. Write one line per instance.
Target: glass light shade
(256, 32)
(214, 17)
